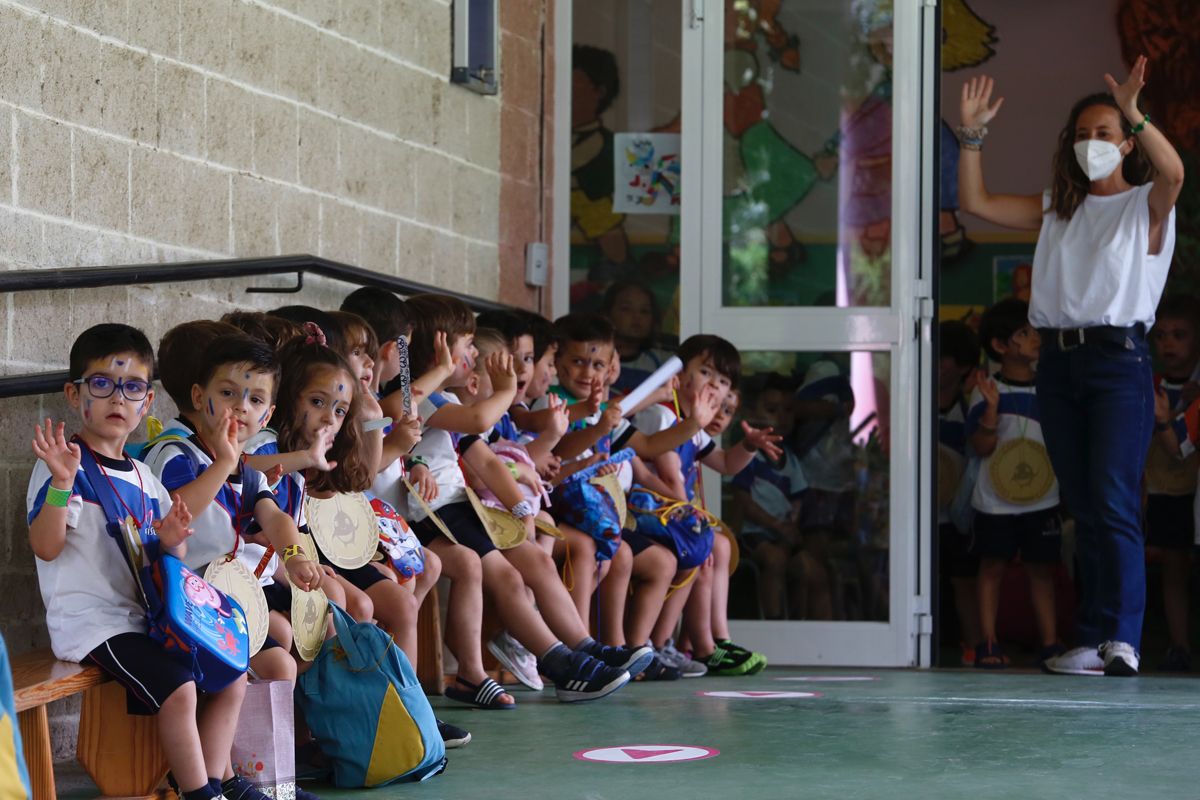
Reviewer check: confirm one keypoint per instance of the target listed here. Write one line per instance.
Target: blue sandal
(484, 695)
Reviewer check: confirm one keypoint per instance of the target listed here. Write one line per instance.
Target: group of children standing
(1006, 502)
(443, 421)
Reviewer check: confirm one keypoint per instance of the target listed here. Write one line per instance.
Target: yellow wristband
(291, 551)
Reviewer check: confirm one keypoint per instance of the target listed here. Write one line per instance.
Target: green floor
(952, 734)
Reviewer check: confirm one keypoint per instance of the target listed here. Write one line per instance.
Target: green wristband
(58, 498)
(1141, 126)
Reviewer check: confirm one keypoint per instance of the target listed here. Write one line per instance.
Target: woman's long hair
(1071, 184)
(300, 360)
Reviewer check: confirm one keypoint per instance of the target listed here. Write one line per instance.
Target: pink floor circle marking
(647, 754)
(761, 695)
(830, 678)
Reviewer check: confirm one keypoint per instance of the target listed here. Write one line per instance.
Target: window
(475, 38)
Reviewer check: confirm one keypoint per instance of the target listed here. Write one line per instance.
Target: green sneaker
(729, 663)
(760, 660)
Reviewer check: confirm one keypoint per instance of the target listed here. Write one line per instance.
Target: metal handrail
(28, 280)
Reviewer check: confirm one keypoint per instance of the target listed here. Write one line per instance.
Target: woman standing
(1107, 232)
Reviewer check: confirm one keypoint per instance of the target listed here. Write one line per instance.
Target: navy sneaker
(238, 788)
(452, 735)
(633, 660)
(583, 677)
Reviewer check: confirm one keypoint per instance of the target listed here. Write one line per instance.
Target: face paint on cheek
(87, 408)
(263, 419)
(212, 412)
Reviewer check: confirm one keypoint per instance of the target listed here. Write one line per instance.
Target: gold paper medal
(505, 530)
(344, 527)
(230, 576)
(1020, 471)
(950, 474)
(310, 612)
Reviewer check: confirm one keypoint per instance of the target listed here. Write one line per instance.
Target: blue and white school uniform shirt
(88, 590)
(773, 486)
(1018, 419)
(220, 527)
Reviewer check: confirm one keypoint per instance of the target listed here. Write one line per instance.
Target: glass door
(807, 247)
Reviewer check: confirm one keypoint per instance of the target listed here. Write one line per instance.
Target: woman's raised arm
(1010, 210)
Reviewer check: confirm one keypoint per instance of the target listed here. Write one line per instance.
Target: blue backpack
(366, 709)
(13, 777)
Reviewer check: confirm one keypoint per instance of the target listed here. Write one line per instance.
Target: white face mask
(1098, 159)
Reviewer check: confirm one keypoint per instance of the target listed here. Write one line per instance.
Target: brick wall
(164, 130)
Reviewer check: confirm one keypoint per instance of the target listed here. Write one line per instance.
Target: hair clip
(315, 334)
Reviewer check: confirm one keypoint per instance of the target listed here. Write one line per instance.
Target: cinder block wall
(137, 131)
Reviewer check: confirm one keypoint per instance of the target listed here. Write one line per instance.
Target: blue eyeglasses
(101, 386)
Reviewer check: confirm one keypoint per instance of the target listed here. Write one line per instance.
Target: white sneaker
(1077, 661)
(513, 656)
(687, 666)
(1120, 659)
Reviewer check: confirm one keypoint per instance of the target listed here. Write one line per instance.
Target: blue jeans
(1096, 404)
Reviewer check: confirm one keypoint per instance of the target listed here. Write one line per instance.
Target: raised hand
(705, 405)
(61, 456)
(764, 439)
(1126, 94)
(560, 420)
(595, 398)
(443, 357)
(226, 449)
(173, 529)
(987, 388)
(501, 370)
(318, 451)
(976, 106)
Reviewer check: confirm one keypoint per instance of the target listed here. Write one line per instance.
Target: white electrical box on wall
(537, 264)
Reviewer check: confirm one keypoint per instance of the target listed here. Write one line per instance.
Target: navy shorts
(1170, 521)
(148, 672)
(1037, 536)
(638, 542)
(363, 577)
(956, 553)
(463, 522)
(279, 597)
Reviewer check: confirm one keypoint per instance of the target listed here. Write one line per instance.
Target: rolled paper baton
(668, 370)
(376, 424)
(405, 375)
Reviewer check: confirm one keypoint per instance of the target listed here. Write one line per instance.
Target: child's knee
(274, 664)
(433, 567)
(183, 700)
(501, 578)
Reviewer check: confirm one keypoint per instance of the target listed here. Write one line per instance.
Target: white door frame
(904, 329)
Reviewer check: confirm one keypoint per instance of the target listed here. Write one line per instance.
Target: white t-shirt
(440, 449)
(179, 462)
(1018, 418)
(1095, 269)
(88, 590)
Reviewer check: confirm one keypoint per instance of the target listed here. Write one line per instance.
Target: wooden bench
(120, 752)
